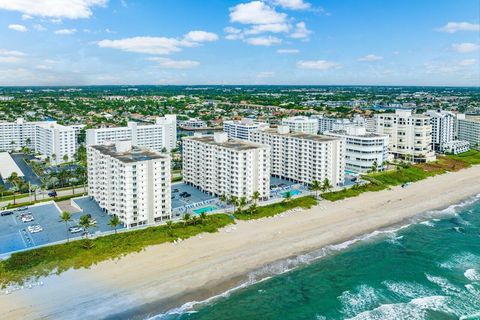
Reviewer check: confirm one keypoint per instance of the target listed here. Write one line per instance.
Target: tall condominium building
(52, 140)
(303, 157)
(443, 123)
(329, 124)
(130, 182)
(468, 128)
(241, 129)
(410, 135)
(158, 136)
(364, 150)
(301, 124)
(220, 166)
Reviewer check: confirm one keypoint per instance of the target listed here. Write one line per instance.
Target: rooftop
(473, 118)
(239, 145)
(135, 154)
(300, 135)
(363, 135)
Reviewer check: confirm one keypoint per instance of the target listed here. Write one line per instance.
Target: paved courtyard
(15, 236)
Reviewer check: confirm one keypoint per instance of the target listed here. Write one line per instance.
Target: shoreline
(170, 275)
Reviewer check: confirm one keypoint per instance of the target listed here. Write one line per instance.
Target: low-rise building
(364, 150)
(159, 136)
(241, 129)
(232, 168)
(130, 182)
(193, 123)
(301, 124)
(303, 157)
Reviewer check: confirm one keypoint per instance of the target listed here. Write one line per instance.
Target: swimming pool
(205, 209)
(292, 193)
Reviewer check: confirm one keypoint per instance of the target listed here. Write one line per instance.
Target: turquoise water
(204, 209)
(292, 193)
(427, 270)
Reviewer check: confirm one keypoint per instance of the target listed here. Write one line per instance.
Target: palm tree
(233, 201)
(327, 185)
(255, 196)
(223, 198)
(186, 219)
(288, 196)
(65, 157)
(14, 189)
(374, 167)
(242, 202)
(85, 223)
(66, 217)
(80, 173)
(14, 180)
(53, 182)
(203, 217)
(252, 209)
(316, 186)
(114, 222)
(169, 225)
(34, 188)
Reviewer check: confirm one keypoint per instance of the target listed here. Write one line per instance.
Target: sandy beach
(169, 275)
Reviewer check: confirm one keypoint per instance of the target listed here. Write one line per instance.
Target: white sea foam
(428, 223)
(408, 290)
(472, 275)
(461, 261)
(361, 299)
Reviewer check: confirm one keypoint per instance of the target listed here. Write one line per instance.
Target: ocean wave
(472, 275)
(360, 300)
(408, 290)
(290, 264)
(461, 261)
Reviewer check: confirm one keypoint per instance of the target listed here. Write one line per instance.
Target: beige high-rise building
(410, 135)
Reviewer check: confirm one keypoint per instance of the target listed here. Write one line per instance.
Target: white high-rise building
(158, 136)
(410, 135)
(220, 166)
(304, 157)
(130, 182)
(193, 123)
(241, 129)
(364, 150)
(443, 123)
(328, 124)
(301, 124)
(468, 129)
(52, 140)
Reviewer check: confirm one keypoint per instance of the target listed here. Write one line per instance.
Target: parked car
(6, 213)
(35, 228)
(22, 209)
(75, 229)
(27, 218)
(52, 194)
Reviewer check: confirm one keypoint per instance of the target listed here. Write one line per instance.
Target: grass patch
(87, 252)
(406, 174)
(276, 208)
(56, 199)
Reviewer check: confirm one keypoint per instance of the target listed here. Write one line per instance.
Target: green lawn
(276, 208)
(56, 199)
(472, 157)
(410, 173)
(59, 258)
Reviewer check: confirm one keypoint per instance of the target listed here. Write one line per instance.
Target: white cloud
(174, 64)
(232, 30)
(301, 31)
(293, 4)
(73, 9)
(263, 41)
(256, 12)
(317, 64)
(26, 17)
(150, 45)
(39, 27)
(288, 51)
(65, 31)
(234, 36)
(17, 27)
(467, 62)
(465, 47)
(370, 58)
(43, 67)
(4, 52)
(201, 36)
(10, 56)
(270, 27)
(453, 27)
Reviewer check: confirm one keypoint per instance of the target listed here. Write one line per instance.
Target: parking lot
(14, 234)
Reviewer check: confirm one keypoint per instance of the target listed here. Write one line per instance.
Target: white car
(75, 229)
(35, 228)
(27, 218)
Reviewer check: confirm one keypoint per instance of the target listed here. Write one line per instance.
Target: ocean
(429, 268)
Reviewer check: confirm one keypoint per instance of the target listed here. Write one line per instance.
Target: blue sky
(365, 42)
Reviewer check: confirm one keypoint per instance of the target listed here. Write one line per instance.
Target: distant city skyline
(278, 42)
